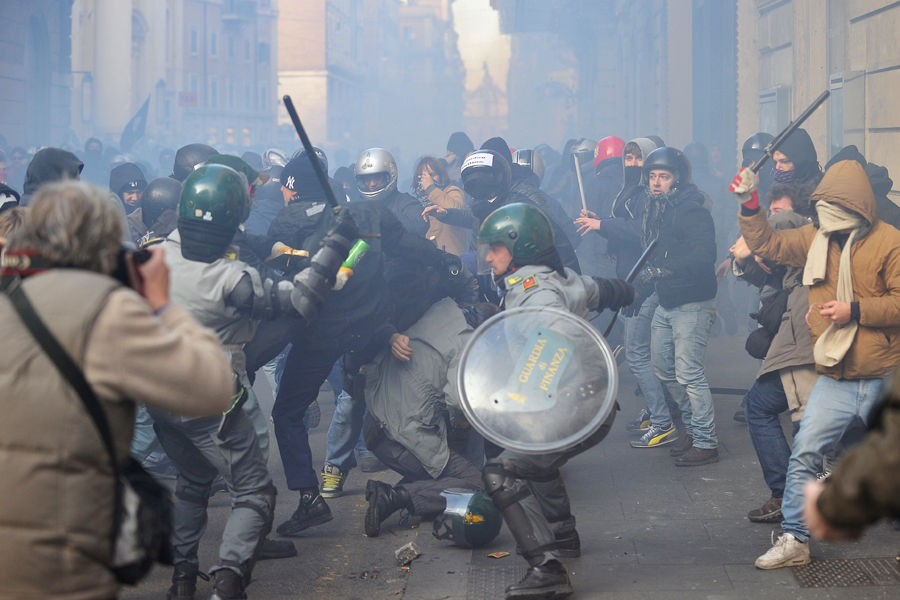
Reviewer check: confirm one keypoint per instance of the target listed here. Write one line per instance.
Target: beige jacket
(56, 516)
(449, 238)
(875, 260)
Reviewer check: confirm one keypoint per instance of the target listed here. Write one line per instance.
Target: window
(230, 47)
(213, 44)
(213, 93)
(262, 53)
(195, 84)
(247, 50)
(194, 42)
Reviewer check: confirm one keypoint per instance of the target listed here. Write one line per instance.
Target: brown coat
(56, 516)
(447, 237)
(875, 260)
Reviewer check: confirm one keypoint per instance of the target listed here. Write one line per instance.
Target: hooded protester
(47, 166)
(879, 179)
(851, 264)
(796, 160)
(458, 147)
(128, 182)
(96, 167)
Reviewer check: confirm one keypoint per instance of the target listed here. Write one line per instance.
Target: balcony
(238, 11)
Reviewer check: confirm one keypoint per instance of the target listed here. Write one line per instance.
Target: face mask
(783, 176)
(633, 175)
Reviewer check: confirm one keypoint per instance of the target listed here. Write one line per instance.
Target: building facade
(208, 68)
(35, 71)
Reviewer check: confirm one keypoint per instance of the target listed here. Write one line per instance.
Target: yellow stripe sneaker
(656, 435)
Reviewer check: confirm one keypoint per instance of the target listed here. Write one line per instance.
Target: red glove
(744, 188)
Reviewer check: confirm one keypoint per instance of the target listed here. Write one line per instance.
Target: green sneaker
(332, 482)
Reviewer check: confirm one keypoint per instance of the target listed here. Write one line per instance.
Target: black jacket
(686, 252)
(623, 230)
(408, 211)
(47, 166)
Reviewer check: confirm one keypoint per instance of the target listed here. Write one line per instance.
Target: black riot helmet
(162, 194)
(188, 157)
(669, 159)
(754, 147)
(485, 175)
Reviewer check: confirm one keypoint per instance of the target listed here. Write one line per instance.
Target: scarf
(834, 343)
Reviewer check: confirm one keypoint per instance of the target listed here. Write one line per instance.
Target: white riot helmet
(372, 162)
(531, 160)
(273, 157)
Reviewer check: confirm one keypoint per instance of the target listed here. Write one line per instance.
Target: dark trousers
(765, 401)
(423, 489)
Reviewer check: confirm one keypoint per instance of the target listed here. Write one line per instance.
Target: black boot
(273, 549)
(384, 501)
(311, 511)
(545, 581)
(184, 582)
(228, 585)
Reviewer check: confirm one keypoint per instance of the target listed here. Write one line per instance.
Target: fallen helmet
(470, 520)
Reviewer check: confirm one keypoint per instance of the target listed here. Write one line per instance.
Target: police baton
(638, 265)
(310, 151)
(779, 139)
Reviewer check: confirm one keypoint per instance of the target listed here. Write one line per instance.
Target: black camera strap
(67, 367)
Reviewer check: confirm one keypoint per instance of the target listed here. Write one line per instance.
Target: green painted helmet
(470, 520)
(214, 201)
(523, 229)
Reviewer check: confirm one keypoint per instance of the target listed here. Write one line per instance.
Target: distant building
(208, 66)
(35, 71)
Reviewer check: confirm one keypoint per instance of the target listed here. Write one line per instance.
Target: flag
(135, 128)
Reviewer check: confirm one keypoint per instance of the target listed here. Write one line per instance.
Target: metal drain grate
(490, 584)
(848, 572)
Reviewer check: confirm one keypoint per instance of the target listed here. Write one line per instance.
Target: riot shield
(537, 380)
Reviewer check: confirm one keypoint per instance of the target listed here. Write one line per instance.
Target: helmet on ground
(531, 160)
(372, 162)
(485, 174)
(470, 520)
(609, 147)
(668, 159)
(214, 201)
(523, 229)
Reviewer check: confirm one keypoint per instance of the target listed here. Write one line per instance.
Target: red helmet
(608, 147)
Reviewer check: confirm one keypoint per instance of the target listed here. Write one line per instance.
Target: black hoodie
(47, 166)
(879, 179)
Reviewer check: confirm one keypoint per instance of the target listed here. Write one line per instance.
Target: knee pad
(501, 484)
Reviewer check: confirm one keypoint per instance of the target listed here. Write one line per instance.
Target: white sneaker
(786, 551)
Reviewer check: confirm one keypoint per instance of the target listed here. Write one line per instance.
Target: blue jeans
(678, 341)
(834, 406)
(764, 402)
(345, 430)
(637, 353)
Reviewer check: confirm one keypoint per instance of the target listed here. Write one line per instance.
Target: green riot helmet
(470, 520)
(523, 229)
(213, 202)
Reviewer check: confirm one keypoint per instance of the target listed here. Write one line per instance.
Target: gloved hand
(615, 293)
(744, 188)
(344, 226)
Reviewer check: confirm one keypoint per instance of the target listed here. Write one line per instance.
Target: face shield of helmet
(372, 182)
(494, 259)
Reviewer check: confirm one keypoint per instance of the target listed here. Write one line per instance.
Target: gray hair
(72, 224)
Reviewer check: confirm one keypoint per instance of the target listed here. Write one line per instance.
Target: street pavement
(649, 530)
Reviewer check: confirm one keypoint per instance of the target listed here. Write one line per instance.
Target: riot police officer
(528, 488)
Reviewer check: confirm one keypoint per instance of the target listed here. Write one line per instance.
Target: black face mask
(633, 175)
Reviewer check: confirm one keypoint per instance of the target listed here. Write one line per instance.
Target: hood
(498, 145)
(646, 145)
(799, 148)
(846, 185)
(125, 174)
(49, 165)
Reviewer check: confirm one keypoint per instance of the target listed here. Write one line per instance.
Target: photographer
(57, 517)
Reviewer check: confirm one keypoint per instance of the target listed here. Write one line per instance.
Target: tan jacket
(875, 260)
(56, 516)
(447, 237)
